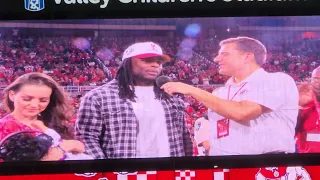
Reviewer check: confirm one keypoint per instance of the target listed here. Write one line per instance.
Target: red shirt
(307, 118)
(40, 70)
(9, 125)
(28, 70)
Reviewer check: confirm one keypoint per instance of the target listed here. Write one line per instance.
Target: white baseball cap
(145, 50)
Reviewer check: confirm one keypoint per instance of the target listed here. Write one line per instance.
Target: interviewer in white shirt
(255, 112)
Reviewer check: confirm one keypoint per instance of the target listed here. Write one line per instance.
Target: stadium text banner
(123, 6)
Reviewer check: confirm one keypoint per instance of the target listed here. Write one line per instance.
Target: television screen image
(267, 173)
(156, 88)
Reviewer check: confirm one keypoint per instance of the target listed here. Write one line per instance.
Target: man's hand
(53, 155)
(177, 87)
(206, 145)
(73, 146)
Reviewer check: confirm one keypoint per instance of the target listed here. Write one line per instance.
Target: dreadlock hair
(126, 83)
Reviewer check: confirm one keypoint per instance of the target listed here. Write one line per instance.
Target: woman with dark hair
(36, 102)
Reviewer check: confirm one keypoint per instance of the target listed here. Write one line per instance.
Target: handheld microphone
(161, 80)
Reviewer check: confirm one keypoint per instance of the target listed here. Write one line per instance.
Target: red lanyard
(236, 92)
(316, 103)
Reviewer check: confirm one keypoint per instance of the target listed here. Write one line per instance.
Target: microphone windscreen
(161, 80)
(44, 140)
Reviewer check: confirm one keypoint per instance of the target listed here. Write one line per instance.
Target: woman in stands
(36, 102)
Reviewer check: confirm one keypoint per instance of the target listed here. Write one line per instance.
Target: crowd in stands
(73, 64)
(72, 61)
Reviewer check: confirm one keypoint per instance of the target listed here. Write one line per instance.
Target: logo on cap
(129, 51)
(34, 5)
(154, 47)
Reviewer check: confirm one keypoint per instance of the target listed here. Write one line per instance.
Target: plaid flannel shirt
(108, 126)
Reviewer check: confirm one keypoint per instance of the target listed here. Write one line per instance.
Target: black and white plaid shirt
(108, 126)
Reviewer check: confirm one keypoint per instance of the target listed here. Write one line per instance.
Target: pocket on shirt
(116, 118)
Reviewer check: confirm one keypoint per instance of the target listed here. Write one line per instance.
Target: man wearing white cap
(202, 135)
(131, 117)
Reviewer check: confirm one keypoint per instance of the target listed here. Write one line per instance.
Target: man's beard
(145, 81)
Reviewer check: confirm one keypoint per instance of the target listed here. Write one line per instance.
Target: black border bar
(117, 165)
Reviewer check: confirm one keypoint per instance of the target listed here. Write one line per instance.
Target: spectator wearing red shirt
(2, 74)
(39, 69)
(95, 78)
(308, 127)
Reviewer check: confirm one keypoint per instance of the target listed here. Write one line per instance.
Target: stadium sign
(34, 5)
(102, 3)
(38, 5)
(123, 6)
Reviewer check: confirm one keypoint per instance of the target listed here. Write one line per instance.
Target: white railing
(81, 89)
(70, 89)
